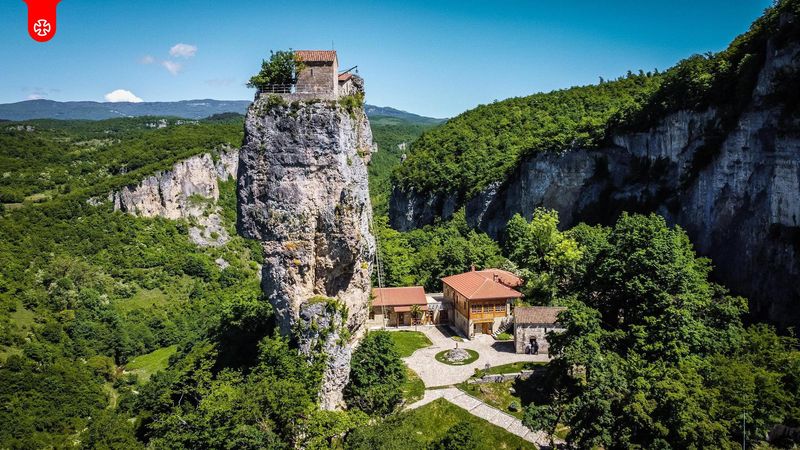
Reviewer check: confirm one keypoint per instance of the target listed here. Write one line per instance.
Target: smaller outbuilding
(394, 306)
(531, 325)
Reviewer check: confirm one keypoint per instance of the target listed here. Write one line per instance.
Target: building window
(371, 314)
(476, 308)
(499, 308)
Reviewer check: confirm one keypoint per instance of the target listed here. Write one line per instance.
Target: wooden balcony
(486, 315)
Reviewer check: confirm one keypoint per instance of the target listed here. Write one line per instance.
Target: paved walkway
(433, 373)
(479, 409)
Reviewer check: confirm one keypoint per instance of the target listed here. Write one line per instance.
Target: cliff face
(302, 192)
(189, 190)
(740, 203)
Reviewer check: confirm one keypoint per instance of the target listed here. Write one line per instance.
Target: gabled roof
(503, 276)
(537, 314)
(476, 286)
(345, 76)
(399, 296)
(316, 55)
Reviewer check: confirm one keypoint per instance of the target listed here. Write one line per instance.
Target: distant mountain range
(373, 110)
(189, 109)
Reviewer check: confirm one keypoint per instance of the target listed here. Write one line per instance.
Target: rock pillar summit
(302, 192)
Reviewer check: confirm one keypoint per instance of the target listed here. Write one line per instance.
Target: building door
(401, 319)
(443, 316)
(487, 328)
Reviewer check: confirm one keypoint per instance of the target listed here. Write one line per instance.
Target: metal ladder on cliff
(379, 268)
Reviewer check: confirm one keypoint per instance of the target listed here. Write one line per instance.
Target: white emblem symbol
(41, 27)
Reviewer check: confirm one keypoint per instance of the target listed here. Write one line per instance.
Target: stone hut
(532, 323)
(320, 74)
(319, 79)
(350, 84)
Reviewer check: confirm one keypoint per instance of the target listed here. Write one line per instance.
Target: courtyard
(437, 374)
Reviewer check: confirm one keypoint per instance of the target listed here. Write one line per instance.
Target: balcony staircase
(505, 325)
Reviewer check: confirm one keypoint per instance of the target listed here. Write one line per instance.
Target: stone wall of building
(318, 78)
(462, 324)
(524, 333)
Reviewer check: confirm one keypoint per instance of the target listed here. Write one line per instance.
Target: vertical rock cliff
(302, 192)
(189, 190)
(737, 194)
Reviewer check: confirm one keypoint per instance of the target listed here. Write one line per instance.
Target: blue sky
(436, 58)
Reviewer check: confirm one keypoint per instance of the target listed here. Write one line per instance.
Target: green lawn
(147, 365)
(23, 317)
(420, 427)
(495, 394)
(510, 368)
(499, 394)
(407, 342)
(413, 389)
(24, 320)
(473, 356)
(143, 299)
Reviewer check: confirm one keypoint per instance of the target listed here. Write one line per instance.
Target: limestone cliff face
(740, 204)
(186, 191)
(302, 192)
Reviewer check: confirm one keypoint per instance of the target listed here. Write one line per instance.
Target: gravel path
(433, 373)
(479, 409)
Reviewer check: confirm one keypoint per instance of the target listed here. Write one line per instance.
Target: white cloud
(183, 50)
(121, 95)
(35, 97)
(147, 59)
(172, 66)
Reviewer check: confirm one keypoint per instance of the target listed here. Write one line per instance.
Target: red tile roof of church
(316, 55)
(537, 314)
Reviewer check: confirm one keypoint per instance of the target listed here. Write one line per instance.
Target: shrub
(281, 68)
(376, 375)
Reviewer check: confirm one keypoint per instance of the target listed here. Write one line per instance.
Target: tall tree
(376, 375)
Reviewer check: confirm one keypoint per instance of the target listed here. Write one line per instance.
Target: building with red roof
(394, 306)
(481, 300)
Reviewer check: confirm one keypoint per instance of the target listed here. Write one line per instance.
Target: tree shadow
(534, 390)
(504, 347)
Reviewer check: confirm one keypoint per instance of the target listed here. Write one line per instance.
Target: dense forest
(118, 332)
(485, 144)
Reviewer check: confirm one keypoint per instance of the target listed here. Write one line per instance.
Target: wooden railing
(486, 315)
(290, 89)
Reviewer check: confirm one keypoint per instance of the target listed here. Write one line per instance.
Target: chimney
(473, 267)
(495, 278)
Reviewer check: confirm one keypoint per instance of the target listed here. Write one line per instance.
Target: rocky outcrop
(737, 198)
(322, 332)
(189, 190)
(174, 193)
(302, 192)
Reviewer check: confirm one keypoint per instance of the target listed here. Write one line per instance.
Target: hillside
(186, 109)
(94, 301)
(394, 136)
(386, 111)
(710, 144)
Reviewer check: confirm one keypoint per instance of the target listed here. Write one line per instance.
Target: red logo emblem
(42, 19)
